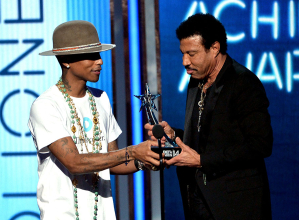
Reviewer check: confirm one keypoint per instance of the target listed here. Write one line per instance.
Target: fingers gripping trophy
(171, 149)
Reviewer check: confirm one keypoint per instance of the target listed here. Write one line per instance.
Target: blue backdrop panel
(26, 28)
(263, 36)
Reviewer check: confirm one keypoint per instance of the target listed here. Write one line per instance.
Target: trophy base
(169, 152)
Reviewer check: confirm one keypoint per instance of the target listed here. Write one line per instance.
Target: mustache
(188, 68)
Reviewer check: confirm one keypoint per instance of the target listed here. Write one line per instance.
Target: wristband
(139, 165)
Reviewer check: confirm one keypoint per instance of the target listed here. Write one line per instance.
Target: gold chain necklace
(95, 142)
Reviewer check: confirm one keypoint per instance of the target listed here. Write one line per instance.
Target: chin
(198, 77)
(93, 79)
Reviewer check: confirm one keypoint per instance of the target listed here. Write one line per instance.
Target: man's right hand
(143, 153)
(167, 129)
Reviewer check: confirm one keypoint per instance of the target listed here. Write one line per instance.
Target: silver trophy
(171, 149)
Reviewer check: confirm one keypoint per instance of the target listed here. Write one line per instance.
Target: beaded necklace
(95, 142)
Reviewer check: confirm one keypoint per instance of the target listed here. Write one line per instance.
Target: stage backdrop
(26, 28)
(263, 36)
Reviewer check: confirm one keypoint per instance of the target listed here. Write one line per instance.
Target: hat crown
(76, 37)
(75, 33)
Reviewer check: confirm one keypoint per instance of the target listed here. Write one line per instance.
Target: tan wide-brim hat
(76, 37)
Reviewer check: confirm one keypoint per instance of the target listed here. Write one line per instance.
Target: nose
(186, 60)
(99, 61)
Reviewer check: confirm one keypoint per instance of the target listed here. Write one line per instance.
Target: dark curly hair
(205, 25)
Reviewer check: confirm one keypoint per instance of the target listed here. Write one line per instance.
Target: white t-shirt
(50, 120)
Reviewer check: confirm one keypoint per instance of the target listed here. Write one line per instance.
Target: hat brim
(100, 48)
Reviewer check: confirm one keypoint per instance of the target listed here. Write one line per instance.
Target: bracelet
(139, 165)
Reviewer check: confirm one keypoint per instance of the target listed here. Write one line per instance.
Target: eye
(92, 56)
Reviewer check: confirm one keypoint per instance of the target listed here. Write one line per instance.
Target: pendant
(198, 123)
(95, 120)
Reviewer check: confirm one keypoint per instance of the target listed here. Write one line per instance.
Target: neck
(220, 59)
(75, 88)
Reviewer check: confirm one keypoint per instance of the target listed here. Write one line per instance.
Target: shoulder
(99, 94)
(96, 92)
(46, 100)
(101, 98)
(244, 78)
(246, 87)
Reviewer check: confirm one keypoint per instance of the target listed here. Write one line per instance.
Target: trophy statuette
(171, 149)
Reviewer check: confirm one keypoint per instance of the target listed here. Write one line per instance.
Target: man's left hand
(188, 157)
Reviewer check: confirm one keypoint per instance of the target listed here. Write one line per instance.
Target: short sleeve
(113, 129)
(46, 124)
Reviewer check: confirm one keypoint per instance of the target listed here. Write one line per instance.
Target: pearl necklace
(95, 142)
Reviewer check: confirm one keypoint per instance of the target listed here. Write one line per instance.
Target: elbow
(268, 151)
(267, 147)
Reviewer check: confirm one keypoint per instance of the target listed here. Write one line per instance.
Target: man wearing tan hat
(75, 161)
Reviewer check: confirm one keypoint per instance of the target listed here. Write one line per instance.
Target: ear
(215, 48)
(66, 65)
(63, 61)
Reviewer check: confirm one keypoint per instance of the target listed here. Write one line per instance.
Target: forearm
(67, 153)
(86, 163)
(123, 169)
